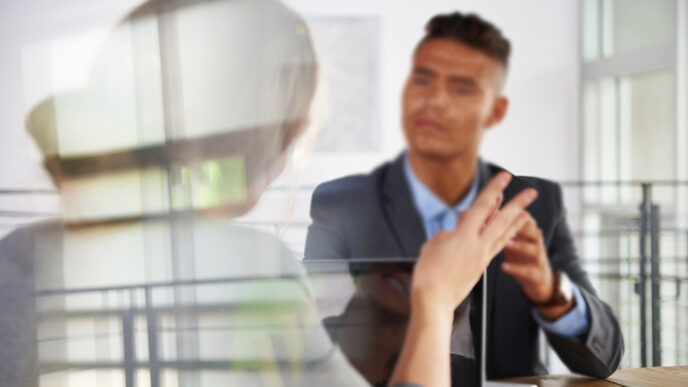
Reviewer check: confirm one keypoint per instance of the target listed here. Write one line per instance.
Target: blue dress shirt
(437, 215)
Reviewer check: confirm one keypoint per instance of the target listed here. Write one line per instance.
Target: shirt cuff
(571, 325)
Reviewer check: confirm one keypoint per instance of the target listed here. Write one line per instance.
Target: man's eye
(421, 81)
(463, 90)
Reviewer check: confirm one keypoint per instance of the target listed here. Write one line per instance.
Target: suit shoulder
(542, 185)
(549, 191)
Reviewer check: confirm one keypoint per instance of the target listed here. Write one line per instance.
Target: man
(452, 96)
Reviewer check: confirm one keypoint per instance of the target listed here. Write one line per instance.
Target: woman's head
(214, 90)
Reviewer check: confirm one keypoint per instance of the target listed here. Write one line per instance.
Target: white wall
(540, 133)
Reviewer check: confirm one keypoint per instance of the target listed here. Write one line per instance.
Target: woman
(189, 113)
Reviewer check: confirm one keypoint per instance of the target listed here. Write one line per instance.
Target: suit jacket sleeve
(598, 352)
(326, 238)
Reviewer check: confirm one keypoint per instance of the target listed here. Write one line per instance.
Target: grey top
(259, 325)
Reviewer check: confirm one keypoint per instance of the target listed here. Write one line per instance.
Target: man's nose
(438, 97)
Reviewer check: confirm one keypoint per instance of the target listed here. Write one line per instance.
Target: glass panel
(629, 134)
(647, 112)
(601, 144)
(592, 47)
(619, 26)
(364, 306)
(640, 24)
(647, 106)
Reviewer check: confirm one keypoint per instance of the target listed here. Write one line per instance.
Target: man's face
(451, 97)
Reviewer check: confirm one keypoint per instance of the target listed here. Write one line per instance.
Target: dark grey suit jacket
(373, 216)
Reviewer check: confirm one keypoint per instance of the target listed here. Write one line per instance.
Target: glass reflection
(364, 305)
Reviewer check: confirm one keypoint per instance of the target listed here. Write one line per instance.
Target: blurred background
(599, 102)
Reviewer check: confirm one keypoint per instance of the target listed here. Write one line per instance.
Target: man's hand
(527, 262)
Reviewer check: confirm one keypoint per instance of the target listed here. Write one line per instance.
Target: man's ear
(499, 109)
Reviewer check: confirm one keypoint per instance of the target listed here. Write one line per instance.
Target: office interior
(598, 95)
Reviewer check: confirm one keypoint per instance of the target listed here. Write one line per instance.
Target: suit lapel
(401, 213)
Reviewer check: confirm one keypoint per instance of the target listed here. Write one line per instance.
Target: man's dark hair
(471, 30)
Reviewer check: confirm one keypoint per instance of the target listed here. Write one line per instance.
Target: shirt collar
(427, 203)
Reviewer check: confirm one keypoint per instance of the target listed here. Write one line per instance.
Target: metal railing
(635, 282)
(132, 306)
(642, 267)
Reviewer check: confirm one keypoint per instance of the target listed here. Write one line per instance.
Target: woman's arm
(424, 360)
(449, 266)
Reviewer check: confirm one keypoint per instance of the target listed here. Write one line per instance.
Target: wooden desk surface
(634, 377)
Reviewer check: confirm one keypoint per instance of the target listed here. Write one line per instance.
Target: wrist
(553, 313)
(560, 300)
(426, 306)
(560, 293)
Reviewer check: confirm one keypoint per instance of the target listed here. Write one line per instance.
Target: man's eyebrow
(420, 70)
(463, 80)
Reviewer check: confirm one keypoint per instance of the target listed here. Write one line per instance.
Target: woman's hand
(449, 266)
(452, 262)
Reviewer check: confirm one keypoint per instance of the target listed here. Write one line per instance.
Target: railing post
(128, 345)
(655, 289)
(152, 325)
(677, 319)
(645, 209)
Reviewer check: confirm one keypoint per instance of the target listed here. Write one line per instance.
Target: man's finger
(482, 206)
(522, 249)
(523, 272)
(530, 231)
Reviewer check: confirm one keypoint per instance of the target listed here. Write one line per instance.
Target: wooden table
(633, 377)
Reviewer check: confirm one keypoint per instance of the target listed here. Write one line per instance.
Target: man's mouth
(429, 124)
